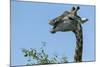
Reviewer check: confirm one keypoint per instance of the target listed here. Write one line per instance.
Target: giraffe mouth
(53, 24)
(52, 31)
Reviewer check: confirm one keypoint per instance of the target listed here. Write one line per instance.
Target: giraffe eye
(70, 18)
(55, 20)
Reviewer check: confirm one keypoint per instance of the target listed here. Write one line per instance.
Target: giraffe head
(67, 21)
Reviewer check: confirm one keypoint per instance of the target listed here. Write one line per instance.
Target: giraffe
(70, 21)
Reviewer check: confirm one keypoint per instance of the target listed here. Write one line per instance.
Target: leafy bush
(41, 57)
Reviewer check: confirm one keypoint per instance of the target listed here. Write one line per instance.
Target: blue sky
(29, 27)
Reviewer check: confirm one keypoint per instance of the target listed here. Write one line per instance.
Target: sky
(29, 27)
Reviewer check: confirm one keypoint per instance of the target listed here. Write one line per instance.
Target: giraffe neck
(79, 44)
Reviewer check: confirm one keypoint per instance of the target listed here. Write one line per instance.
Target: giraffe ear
(84, 20)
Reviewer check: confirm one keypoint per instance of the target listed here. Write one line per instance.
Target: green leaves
(25, 51)
(41, 57)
